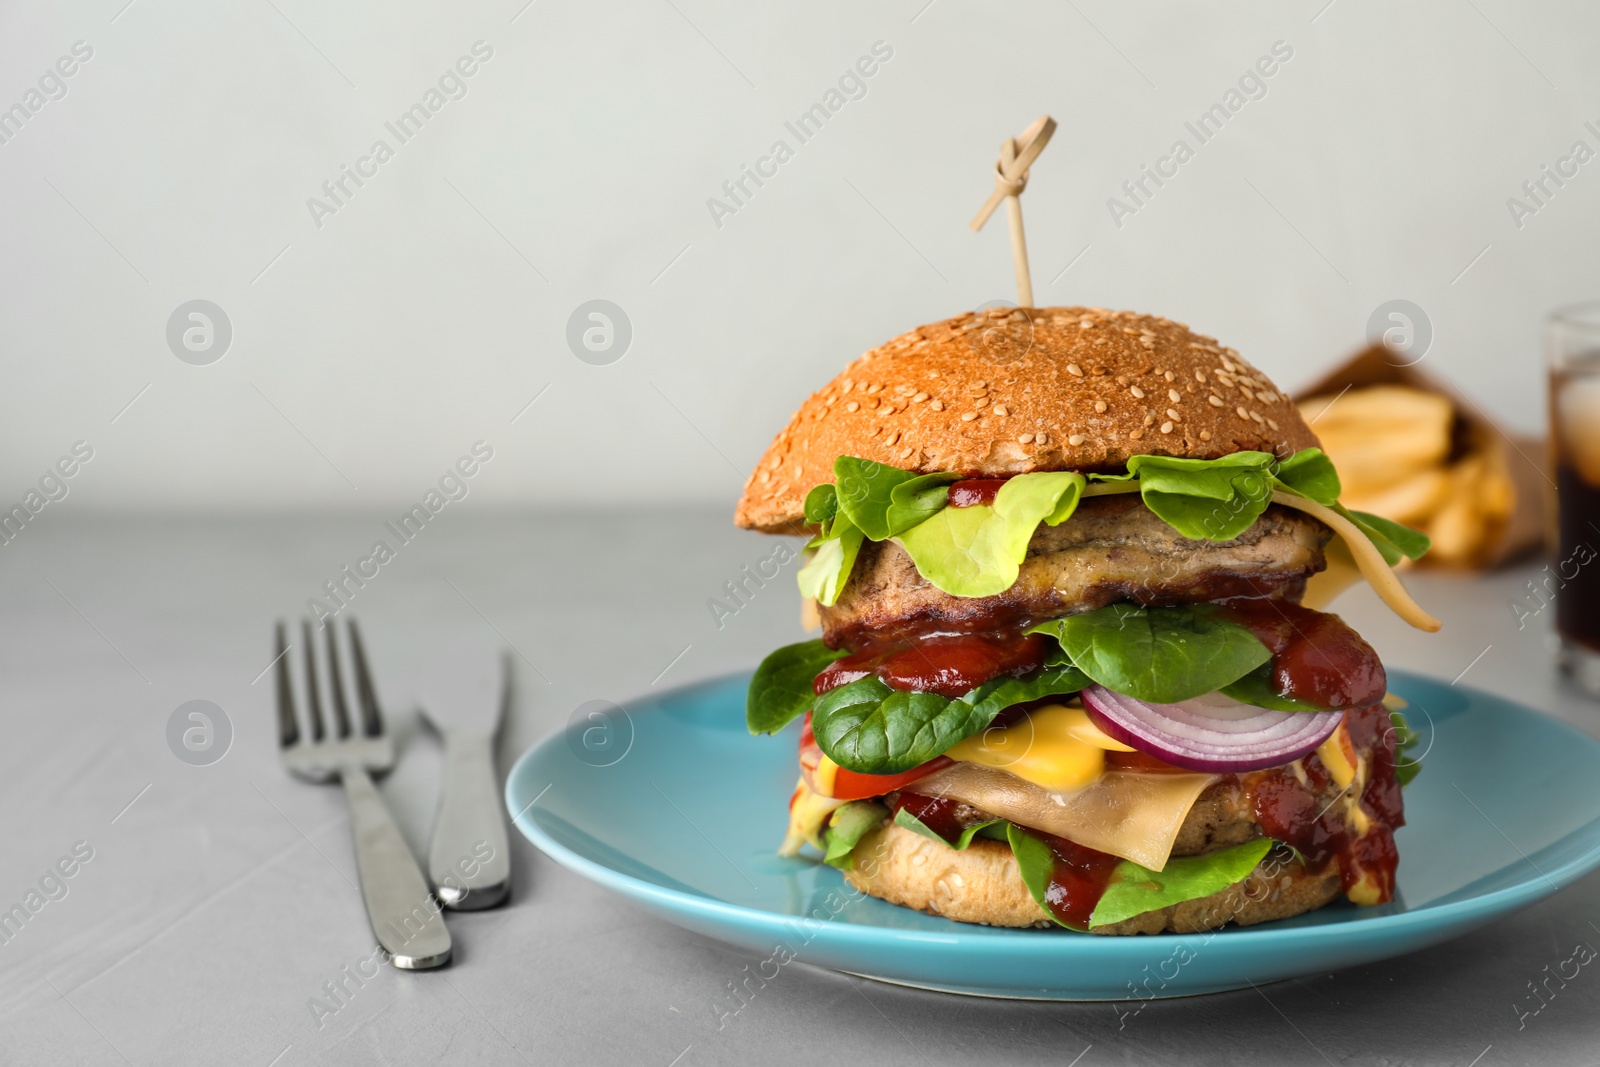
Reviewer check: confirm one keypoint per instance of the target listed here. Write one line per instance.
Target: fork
(405, 918)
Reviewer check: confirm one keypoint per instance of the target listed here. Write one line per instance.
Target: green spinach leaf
(1134, 890)
(1257, 688)
(867, 727)
(781, 687)
(904, 818)
(1310, 473)
(1406, 763)
(1158, 655)
(866, 491)
(1390, 538)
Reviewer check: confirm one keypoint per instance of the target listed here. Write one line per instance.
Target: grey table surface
(220, 899)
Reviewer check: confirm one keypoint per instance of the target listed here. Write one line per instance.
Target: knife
(463, 695)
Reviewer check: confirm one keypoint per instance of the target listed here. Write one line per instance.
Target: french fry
(1382, 434)
(1411, 501)
(1479, 504)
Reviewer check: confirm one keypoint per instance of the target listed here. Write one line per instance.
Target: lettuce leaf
(847, 825)
(833, 558)
(780, 690)
(1158, 655)
(1204, 499)
(866, 726)
(904, 818)
(1134, 890)
(977, 551)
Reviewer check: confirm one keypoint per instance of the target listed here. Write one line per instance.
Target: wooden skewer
(1010, 178)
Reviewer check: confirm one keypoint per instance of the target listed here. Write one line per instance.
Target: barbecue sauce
(974, 492)
(948, 665)
(1296, 815)
(1316, 657)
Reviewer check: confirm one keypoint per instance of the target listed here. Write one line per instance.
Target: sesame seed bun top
(1015, 390)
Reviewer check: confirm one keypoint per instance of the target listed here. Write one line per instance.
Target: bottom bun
(982, 884)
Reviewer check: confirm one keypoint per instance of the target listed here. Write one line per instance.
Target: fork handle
(469, 862)
(406, 920)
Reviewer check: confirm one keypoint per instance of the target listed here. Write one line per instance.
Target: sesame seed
(1166, 427)
(938, 405)
(1149, 420)
(1205, 435)
(919, 398)
(764, 477)
(1169, 376)
(980, 402)
(874, 389)
(968, 416)
(852, 406)
(1148, 342)
(1273, 423)
(1136, 391)
(1135, 435)
(1173, 395)
(1216, 401)
(848, 384)
(1243, 414)
(892, 438)
(904, 452)
(1255, 416)
(1172, 413)
(983, 385)
(1001, 409)
(1076, 439)
(1025, 439)
(1041, 438)
(1075, 370)
(1100, 405)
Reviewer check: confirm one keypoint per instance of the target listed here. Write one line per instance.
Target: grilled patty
(1113, 548)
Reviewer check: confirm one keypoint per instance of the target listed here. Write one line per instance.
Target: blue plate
(674, 805)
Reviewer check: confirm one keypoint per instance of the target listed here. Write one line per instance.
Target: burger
(1065, 675)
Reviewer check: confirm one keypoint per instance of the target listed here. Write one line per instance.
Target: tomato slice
(853, 785)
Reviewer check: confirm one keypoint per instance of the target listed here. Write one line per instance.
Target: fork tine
(288, 729)
(313, 692)
(371, 721)
(341, 710)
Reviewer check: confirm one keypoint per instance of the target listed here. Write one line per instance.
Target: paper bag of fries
(1411, 449)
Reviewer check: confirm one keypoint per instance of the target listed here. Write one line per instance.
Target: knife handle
(407, 926)
(469, 860)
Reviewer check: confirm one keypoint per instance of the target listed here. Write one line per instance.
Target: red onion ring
(1211, 732)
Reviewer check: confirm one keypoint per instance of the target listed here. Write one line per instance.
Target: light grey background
(432, 307)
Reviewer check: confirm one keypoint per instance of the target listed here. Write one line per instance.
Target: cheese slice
(1135, 816)
(1055, 747)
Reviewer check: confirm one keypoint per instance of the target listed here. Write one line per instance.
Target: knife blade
(462, 693)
